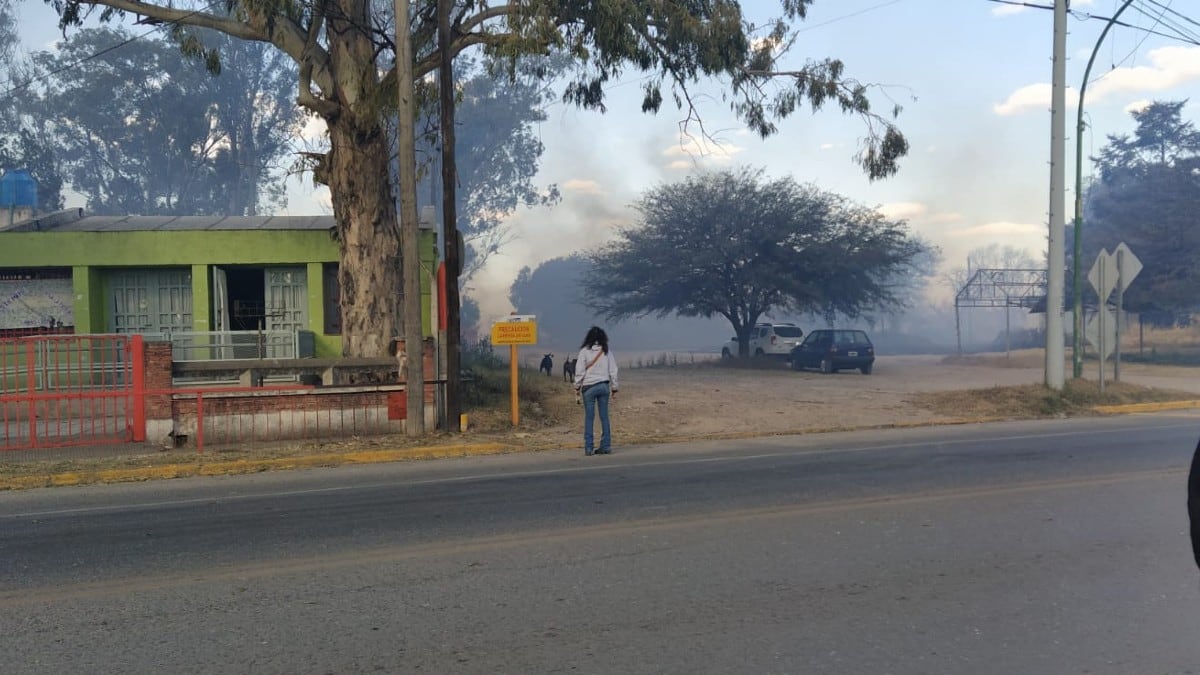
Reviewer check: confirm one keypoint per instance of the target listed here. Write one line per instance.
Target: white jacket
(604, 370)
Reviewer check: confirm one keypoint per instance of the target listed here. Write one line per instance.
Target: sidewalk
(55, 474)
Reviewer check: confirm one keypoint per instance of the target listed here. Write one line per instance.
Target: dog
(547, 365)
(569, 369)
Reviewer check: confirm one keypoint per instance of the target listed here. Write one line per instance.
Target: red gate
(67, 390)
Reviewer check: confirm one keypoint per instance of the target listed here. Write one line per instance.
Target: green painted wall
(89, 299)
(201, 298)
(160, 248)
(88, 252)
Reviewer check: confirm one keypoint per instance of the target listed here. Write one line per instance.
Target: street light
(1077, 341)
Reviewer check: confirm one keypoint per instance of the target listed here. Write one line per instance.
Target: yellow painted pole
(512, 359)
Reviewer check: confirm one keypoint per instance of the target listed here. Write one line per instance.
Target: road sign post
(518, 329)
(1103, 282)
(1128, 267)
(1111, 271)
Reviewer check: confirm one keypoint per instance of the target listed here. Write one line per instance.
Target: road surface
(1032, 547)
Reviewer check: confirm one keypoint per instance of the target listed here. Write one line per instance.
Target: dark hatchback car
(832, 350)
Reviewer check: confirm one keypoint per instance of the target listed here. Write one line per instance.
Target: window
(333, 295)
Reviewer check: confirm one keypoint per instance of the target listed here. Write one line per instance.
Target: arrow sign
(1103, 275)
(1129, 263)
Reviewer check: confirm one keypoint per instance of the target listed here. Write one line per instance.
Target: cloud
(583, 186)
(828, 146)
(1029, 96)
(903, 210)
(1170, 67)
(1005, 9)
(1137, 106)
(918, 213)
(1008, 10)
(693, 151)
(998, 229)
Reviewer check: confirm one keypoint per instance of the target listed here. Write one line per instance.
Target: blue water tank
(17, 189)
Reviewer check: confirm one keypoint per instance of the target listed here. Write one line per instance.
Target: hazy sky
(972, 76)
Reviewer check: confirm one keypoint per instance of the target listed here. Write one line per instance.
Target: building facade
(180, 276)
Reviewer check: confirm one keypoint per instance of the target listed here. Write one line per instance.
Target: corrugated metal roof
(73, 220)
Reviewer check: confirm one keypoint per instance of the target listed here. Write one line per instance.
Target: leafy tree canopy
(1146, 196)
(739, 245)
(22, 146)
(347, 74)
(144, 130)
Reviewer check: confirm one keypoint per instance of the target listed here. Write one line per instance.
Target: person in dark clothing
(1193, 503)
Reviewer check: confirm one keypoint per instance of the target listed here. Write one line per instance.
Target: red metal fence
(70, 390)
(102, 392)
(237, 417)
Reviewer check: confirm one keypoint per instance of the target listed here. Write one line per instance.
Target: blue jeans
(594, 396)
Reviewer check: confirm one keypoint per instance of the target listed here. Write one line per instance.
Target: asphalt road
(1044, 547)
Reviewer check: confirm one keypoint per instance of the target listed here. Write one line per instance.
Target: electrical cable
(90, 57)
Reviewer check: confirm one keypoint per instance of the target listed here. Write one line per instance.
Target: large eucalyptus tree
(347, 75)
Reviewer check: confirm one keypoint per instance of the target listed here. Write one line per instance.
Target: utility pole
(1055, 273)
(450, 239)
(410, 255)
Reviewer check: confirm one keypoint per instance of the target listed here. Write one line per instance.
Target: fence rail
(224, 417)
(67, 390)
(230, 345)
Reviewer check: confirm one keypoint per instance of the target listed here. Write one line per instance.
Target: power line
(860, 12)
(1182, 36)
(90, 57)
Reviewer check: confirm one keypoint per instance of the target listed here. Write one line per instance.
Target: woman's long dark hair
(595, 336)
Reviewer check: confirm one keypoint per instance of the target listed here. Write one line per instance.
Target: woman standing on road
(596, 381)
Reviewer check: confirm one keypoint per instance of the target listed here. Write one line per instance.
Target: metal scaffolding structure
(1025, 288)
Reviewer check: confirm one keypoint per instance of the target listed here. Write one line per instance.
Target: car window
(819, 338)
(788, 331)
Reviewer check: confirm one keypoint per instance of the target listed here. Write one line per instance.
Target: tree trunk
(369, 274)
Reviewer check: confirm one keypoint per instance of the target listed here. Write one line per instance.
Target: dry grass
(1078, 397)
(1018, 358)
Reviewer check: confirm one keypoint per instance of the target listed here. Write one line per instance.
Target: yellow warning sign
(514, 333)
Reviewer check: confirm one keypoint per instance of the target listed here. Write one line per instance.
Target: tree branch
(280, 31)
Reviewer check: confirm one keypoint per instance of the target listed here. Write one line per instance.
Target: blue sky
(973, 77)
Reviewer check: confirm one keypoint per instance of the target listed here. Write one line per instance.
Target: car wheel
(795, 364)
(758, 352)
(826, 365)
(725, 354)
(866, 370)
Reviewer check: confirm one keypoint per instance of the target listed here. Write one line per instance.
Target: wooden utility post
(450, 239)
(410, 255)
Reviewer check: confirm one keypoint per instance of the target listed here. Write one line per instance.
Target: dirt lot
(714, 401)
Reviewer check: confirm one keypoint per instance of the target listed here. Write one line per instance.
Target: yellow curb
(1147, 407)
(243, 466)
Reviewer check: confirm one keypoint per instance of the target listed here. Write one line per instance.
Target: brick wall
(263, 414)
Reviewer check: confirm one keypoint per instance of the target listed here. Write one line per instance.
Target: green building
(187, 277)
